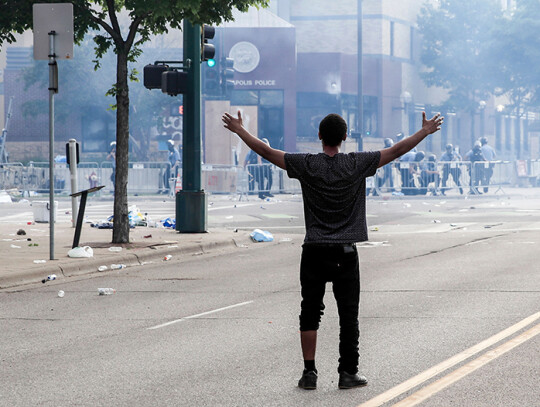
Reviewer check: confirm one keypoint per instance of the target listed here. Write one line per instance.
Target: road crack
(481, 239)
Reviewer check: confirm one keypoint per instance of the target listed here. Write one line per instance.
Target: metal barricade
(265, 180)
(220, 178)
(88, 176)
(260, 179)
(38, 177)
(441, 178)
(143, 177)
(12, 176)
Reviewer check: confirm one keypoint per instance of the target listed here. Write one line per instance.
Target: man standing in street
(112, 156)
(387, 177)
(333, 191)
(489, 154)
(476, 167)
(175, 163)
(451, 162)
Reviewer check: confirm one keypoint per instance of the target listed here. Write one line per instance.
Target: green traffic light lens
(211, 62)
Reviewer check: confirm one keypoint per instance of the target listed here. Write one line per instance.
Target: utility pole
(191, 201)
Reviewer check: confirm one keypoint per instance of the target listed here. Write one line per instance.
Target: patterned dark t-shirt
(334, 193)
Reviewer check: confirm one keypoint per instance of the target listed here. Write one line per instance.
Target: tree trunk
(121, 219)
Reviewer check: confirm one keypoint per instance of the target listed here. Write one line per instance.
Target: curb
(140, 257)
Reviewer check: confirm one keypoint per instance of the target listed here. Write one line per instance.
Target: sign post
(53, 39)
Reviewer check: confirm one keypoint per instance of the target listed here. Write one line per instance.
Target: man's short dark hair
(332, 129)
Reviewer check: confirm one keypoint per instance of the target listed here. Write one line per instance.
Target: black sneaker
(308, 381)
(348, 381)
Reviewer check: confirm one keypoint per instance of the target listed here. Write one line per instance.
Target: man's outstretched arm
(405, 145)
(234, 124)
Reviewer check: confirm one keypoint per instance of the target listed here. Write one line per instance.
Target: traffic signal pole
(191, 201)
(360, 54)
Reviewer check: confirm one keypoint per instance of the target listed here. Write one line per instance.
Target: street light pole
(360, 115)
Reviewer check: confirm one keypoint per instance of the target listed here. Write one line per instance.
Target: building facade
(295, 62)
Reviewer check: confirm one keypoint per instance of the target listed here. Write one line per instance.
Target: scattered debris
(102, 268)
(118, 266)
(167, 257)
(373, 244)
(106, 291)
(169, 223)
(79, 252)
(50, 277)
(40, 261)
(259, 235)
(115, 249)
(21, 232)
(13, 246)
(147, 236)
(61, 293)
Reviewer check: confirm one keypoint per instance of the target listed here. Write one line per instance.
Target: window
(244, 98)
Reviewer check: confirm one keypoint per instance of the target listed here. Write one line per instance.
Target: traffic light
(210, 78)
(174, 82)
(152, 75)
(207, 50)
(170, 80)
(227, 75)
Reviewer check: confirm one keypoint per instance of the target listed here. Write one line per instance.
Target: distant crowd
(420, 175)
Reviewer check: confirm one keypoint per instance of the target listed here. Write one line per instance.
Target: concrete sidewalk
(20, 251)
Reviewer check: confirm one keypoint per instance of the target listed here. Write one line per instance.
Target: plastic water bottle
(115, 249)
(117, 266)
(49, 278)
(102, 268)
(106, 291)
(167, 257)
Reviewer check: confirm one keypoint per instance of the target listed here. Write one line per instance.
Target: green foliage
(457, 36)
(473, 48)
(517, 46)
(82, 89)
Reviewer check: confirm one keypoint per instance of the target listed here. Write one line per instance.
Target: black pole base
(191, 212)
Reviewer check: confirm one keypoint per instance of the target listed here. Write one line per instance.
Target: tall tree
(517, 47)
(145, 18)
(456, 37)
(149, 107)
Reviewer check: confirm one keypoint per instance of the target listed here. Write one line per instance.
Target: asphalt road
(440, 278)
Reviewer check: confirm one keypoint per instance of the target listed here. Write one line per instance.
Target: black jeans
(337, 264)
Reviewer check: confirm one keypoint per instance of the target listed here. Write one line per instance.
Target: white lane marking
(470, 367)
(447, 364)
(200, 315)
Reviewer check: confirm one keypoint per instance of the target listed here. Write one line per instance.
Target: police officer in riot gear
(451, 160)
